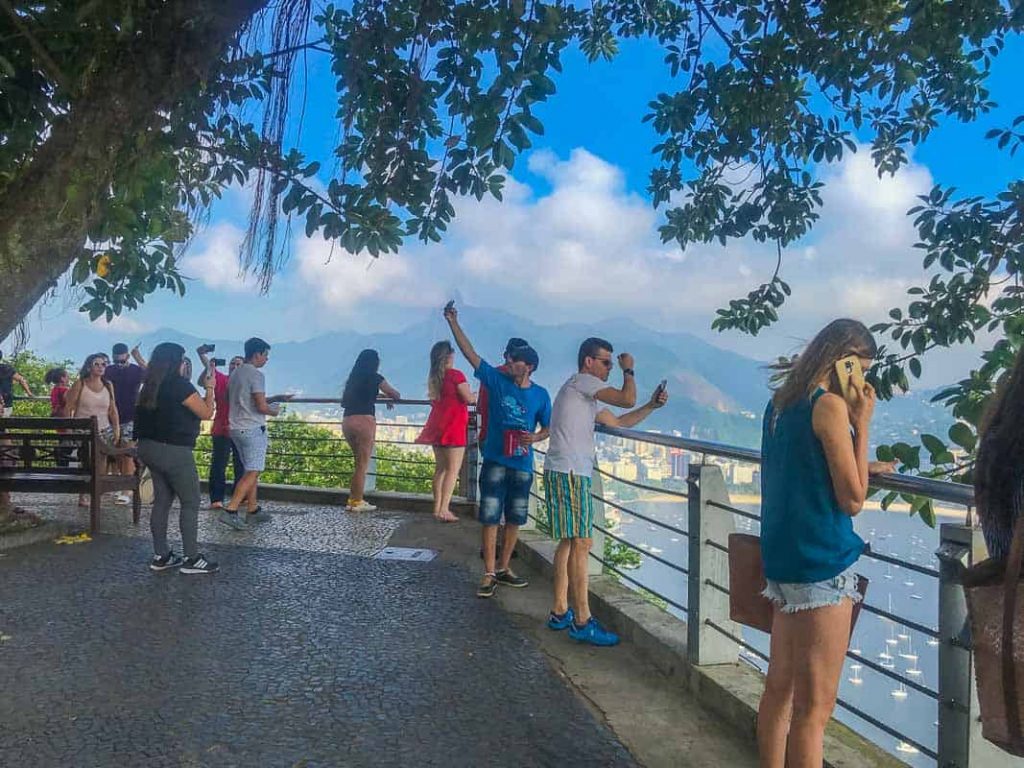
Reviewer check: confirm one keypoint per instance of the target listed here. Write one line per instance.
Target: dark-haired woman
(445, 429)
(359, 420)
(92, 396)
(814, 480)
(166, 425)
(999, 469)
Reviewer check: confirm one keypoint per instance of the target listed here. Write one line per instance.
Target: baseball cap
(526, 354)
(514, 343)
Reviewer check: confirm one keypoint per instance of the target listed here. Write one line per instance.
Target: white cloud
(213, 259)
(341, 283)
(588, 248)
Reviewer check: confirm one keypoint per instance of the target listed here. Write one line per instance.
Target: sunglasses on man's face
(605, 361)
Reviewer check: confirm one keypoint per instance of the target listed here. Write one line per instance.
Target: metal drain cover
(406, 553)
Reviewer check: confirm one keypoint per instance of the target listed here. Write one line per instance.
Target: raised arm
(631, 419)
(202, 407)
(23, 383)
(624, 396)
(452, 316)
(203, 358)
(140, 360)
(847, 458)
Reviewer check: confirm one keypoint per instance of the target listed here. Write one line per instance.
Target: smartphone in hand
(850, 375)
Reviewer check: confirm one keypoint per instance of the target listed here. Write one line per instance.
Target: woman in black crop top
(166, 425)
(359, 422)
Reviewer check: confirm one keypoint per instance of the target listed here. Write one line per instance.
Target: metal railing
(712, 637)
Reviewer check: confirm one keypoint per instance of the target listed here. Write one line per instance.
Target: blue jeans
(222, 447)
(504, 490)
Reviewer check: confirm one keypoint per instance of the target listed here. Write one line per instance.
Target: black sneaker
(170, 560)
(198, 564)
(488, 585)
(509, 579)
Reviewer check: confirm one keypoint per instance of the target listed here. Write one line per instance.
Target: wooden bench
(37, 458)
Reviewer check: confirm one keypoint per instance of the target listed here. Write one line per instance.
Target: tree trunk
(43, 227)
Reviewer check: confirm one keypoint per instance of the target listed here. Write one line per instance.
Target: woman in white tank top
(92, 396)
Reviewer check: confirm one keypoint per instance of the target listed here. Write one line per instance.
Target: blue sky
(576, 238)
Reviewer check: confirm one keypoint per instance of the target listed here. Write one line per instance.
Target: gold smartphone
(850, 374)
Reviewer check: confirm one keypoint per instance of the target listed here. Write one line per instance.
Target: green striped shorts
(570, 505)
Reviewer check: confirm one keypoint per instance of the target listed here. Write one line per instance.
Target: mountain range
(714, 394)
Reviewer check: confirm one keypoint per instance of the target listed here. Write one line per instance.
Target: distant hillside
(715, 394)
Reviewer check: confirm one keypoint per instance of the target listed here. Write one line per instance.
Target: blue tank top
(805, 536)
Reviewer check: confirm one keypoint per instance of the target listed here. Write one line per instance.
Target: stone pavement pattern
(287, 657)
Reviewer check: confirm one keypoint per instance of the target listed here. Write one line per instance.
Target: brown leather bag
(995, 607)
(747, 604)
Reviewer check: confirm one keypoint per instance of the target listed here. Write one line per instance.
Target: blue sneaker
(558, 623)
(593, 633)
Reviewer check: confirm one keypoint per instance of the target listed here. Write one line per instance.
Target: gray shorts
(819, 594)
(252, 447)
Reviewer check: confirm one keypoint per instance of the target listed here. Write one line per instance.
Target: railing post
(370, 484)
(705, 603)
(597, 490)
(954, 556)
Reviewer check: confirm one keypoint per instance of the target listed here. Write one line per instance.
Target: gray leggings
(173, 468)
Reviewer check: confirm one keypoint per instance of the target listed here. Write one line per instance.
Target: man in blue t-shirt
(516, 407)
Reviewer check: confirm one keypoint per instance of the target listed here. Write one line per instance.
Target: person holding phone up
(567, 472)
(814, 480)
(520, 413)
(167, 424)
(220, 434)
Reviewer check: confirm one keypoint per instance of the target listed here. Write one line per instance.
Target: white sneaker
(122, 498)
(361, 506)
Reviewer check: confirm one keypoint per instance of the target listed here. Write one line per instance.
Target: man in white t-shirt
(248, 408)
(567, 471)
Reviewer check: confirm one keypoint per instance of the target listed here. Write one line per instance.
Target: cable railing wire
(643, 552)
(609, 566)
(734, 510)
(624, 481)
(859, 713)
(931, 693)
(628, 511)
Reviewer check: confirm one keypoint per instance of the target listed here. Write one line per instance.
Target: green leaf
(962, 435)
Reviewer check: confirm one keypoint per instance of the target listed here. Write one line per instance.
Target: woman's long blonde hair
(438, 357)
(796, 378)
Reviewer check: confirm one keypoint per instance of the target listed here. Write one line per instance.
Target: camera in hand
(218, 361)
(206, 348)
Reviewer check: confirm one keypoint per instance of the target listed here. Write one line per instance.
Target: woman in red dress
(445, 429)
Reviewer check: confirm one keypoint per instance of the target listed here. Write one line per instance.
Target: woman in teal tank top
(814, 479)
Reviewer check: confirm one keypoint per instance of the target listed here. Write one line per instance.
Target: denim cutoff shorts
(503, 489)
(817, 594)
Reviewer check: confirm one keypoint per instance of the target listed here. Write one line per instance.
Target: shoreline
(754, 499)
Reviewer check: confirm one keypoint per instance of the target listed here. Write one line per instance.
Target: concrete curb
(45, 532)
(732, 691)
(385, 500)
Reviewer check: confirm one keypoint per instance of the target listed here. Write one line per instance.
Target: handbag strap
(1010, 584)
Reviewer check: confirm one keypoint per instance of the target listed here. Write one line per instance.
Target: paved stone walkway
(288, 657)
